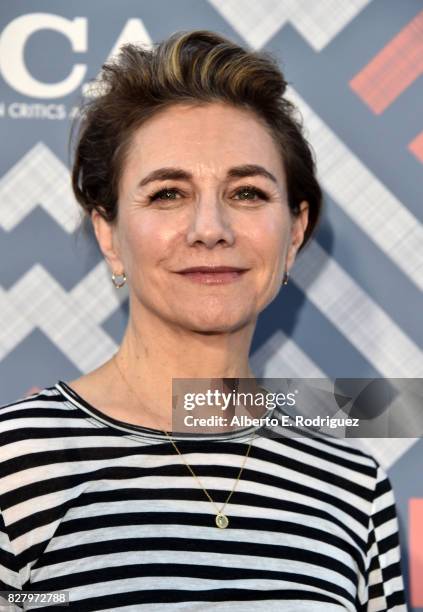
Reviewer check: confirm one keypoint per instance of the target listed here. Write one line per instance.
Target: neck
(153, 352)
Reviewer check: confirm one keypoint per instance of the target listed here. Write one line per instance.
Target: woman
(201, 190)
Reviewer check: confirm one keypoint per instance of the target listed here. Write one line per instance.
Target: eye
(163, 192)
(254, 191)
(169, 193)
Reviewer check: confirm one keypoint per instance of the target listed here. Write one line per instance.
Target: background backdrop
(352, 307)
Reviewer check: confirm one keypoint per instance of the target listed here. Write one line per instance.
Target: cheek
(148, 242)
(269, 238)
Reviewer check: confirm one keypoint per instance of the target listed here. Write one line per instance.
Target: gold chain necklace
(221, 519)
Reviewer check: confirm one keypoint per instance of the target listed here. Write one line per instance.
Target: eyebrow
(175, 174)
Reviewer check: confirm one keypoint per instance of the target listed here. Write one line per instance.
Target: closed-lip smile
(212, 269)
(213, 275)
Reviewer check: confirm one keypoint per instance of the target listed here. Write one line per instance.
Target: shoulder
(331, 464)
(49, 396)
(319, 445)
(46, 408)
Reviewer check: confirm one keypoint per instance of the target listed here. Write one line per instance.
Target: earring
(118, 285)
(285, 278)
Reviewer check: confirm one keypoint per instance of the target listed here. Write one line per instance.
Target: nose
(210, 224)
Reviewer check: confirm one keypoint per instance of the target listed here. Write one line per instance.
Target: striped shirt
(109, 512)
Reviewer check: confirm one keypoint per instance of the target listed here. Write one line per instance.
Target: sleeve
(385, 586)
(9, 575)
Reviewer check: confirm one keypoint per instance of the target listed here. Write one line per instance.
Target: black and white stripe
(109, 512)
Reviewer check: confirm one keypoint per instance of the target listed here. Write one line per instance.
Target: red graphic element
(393, 69)
(416, 147)
(415, 544)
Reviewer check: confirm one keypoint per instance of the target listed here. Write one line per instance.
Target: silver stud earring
(285, 278)
(121, 284)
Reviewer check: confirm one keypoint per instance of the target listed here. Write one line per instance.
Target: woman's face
(214, 212)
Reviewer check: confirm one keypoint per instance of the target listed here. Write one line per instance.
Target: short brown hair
(197, 66)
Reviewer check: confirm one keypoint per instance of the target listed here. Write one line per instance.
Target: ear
(299, 226)
(108, 241)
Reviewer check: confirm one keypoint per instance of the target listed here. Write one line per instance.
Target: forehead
(203, 139)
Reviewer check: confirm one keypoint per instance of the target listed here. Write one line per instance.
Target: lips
(213, 275)
(211, 269)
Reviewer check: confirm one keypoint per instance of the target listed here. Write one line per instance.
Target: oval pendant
(222, 521)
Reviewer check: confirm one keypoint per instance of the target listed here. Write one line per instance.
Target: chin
(215, 324)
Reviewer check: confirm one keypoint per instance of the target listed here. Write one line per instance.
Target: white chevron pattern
(318, 22)
(281, 357)
(369, 203)
(71, 320)
(39, 178)
(365, 324)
